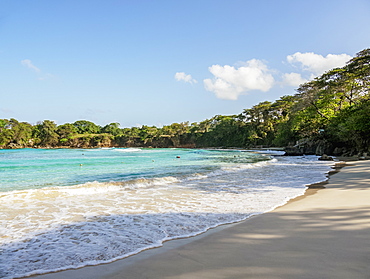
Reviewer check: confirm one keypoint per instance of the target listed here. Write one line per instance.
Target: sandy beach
(323, 234)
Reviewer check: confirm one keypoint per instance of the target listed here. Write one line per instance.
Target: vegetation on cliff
(329, 114)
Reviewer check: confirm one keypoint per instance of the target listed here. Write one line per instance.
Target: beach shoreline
(320, 234)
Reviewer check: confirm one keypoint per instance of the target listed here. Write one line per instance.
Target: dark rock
(293, 151)
(325, 157)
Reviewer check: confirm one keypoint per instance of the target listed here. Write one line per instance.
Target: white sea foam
(270, 152)
(127, 149)
(58, 228)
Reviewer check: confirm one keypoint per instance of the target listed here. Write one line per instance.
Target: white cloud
(27, 63)
(316, 63)
(181, 76)
(40, 75)
(230, 82)
(293, 79)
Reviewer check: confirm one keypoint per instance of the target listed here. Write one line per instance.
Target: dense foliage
(333, 108)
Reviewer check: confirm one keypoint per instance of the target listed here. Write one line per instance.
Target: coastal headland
(322, 234)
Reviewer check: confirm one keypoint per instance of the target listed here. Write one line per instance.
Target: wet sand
(322, 234)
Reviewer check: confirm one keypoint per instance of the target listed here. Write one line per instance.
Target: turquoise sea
(68, 208)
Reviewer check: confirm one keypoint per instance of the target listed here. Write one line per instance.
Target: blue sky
(144, 62)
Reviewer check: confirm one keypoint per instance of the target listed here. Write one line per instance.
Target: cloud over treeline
(316, 63)
(230, 82)
(293, 79)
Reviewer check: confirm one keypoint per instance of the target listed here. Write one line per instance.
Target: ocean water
(68, 208)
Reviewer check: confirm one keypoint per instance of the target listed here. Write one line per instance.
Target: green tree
(351, 127)
(359, 67)
(86, 127)
(66, 132)
(4, 124)
(112, 128)
(148, 134)
(175, 131)
(260, 121)
(47, 133)
(22, 133)
(6, 134)
(13, 131)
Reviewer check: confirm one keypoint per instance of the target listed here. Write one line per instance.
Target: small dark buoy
(178, 157)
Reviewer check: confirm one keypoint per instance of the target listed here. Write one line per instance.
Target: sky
(157, 62)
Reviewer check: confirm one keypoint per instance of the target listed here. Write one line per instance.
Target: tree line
(332, 110)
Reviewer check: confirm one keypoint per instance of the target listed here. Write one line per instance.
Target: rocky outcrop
(325, 157)
(322, 147)
(293, 151)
